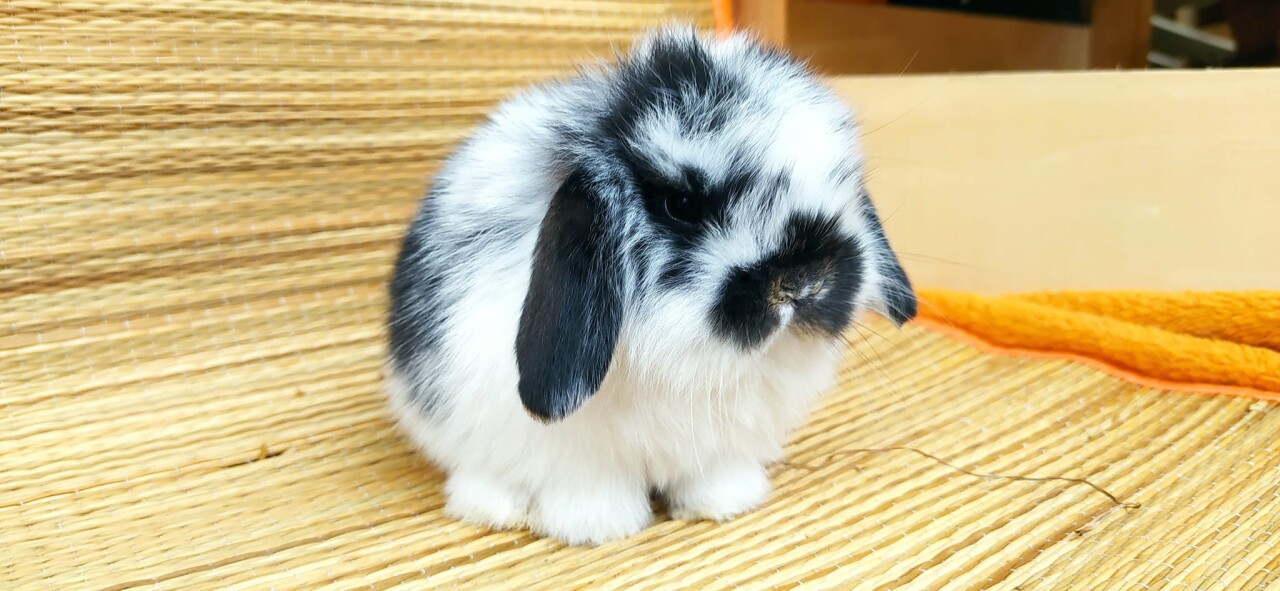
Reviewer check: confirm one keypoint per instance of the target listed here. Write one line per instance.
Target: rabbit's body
(630, 439)
(635, 281)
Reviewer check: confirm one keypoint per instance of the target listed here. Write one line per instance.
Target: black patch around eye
(683, 207)
(689, 201)
(715, 201)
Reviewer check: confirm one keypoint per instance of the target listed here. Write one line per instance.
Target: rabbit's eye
(683, 208)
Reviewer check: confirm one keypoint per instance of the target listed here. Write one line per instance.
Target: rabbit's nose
(795, 287)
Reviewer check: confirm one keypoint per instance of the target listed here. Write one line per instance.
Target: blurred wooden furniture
(1216, 33)
(859, 37)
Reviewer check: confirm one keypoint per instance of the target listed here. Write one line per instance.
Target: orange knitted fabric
(1213, 342)
(722, 11)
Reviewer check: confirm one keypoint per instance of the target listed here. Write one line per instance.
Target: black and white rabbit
(635, 280)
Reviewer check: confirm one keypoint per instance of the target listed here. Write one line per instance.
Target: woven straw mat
(199, 202)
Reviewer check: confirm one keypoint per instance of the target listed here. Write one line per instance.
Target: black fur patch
(717, 200)
(418, 298)
(678, 273)
(573, 311)
(742, 313)
(417, 306)
(812, 251)
(899, 297)
(497, 233)
(678, 76)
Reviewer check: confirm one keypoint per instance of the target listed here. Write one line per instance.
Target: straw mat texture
(199, 202)
(286, 475)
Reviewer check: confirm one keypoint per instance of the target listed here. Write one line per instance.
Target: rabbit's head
(711, 203)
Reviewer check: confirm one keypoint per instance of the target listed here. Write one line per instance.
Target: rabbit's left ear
(573, 311)
(896, 300)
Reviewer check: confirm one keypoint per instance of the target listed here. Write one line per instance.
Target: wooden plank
(848, 38)
(768, 18)
(1088, 180)
(1120, 35)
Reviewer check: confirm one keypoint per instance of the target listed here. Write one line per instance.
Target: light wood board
(1089, 180)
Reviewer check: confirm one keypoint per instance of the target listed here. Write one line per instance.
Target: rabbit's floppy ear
(896, 300)
(573, 311)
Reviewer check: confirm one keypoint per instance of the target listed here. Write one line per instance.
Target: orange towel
(722, 12)
(1212, 342)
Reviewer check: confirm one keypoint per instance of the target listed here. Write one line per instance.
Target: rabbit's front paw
(484, 501)
(719, 494)
(591, 517)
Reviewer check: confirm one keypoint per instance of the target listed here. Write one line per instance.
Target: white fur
(680, 411)
(585, 480)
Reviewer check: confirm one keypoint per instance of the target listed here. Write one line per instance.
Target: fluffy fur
(633, 281)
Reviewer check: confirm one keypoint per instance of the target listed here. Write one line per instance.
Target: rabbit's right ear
(897, 299)
(573, 311)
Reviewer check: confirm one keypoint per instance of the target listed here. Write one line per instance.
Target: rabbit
(635, 281)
